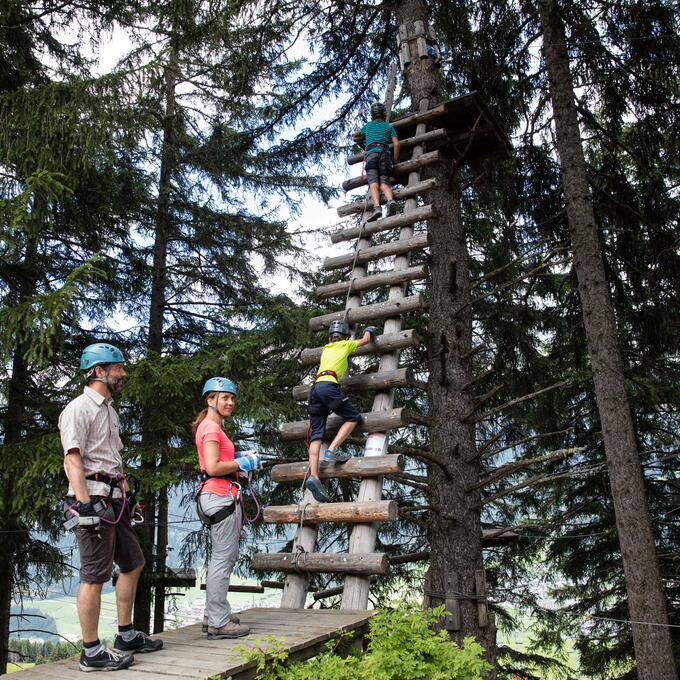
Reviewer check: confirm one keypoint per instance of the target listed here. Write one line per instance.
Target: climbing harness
(101, 505)
(333, 374)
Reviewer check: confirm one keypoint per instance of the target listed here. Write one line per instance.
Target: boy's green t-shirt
(334, 358)
(377, 131)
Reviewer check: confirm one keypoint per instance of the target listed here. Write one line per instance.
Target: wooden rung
(370, 466)
(387, 342)
(363, 513)
(234, 588)
(390, 278)
(424, 212)
(380, 310)
(430, 137)
(383, 380)
(416, 118)
(340, 563)
(401, 194)
(374, 421)
(378, 252)
(280, 585)
(402, 168)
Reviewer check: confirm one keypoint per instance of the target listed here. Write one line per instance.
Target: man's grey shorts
(117, 543)
(379, 168)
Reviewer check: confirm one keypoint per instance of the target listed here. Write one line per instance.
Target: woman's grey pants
(225, 537)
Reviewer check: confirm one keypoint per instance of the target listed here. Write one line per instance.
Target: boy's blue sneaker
(318, 491)
(330, 456)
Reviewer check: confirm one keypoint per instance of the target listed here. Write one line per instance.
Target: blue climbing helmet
(99, 354)
(219, 385)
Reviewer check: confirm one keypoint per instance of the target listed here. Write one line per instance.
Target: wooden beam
(380, 310)
(402, 168)
(371, 511)
(430, 137)
(387, 342)
(242, 588)
(372, 422)
(280, 585)
(400, 194)
(408, 558)
(383, 380)
(338, 563)
(377, 252)
(424, 212)
(355, 467)
(390, 278)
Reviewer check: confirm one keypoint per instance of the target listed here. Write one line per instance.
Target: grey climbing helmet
(339, 327)
(378, 110)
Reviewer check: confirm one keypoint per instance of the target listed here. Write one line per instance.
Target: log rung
(402, 168)
(387, 342)
(307, 562)
(364, 255)
(359, 512)
(400, 194)
(430, 137)
(424, 212)
(371, 466)
(391, 278)
(380, 381)
(380, 310)
(375, 421)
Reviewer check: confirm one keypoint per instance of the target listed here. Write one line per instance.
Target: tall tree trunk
(454, 524)
(12, 428)
(151, 442)
(653, 649)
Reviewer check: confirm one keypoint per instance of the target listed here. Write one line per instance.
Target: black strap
(374, 144)
(222, 513)
(111, 482)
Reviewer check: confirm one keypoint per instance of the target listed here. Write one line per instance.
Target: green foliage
(402, 645)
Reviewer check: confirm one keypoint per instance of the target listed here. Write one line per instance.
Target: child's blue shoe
(318, 491)
(330, 456)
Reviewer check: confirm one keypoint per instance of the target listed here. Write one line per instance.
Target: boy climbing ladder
(326, 397)
(378, 135)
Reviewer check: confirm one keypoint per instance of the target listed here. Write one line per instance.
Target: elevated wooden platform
(188, 654)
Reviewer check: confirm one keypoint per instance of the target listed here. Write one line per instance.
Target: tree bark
(12, 428)
(150, 439)
(646, 602)
(455, 532)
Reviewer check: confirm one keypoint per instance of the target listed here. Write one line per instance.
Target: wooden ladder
(361, 562)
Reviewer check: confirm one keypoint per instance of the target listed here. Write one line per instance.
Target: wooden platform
(188, 654)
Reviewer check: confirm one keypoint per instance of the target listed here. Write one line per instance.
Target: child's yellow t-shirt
(334, 358)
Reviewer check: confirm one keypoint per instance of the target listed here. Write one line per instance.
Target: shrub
(401, 646)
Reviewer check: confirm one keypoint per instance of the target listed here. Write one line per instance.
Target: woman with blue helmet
(217, 503)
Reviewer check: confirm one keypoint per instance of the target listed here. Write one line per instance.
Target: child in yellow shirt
(326, 397)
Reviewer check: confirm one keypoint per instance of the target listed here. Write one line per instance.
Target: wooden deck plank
(189, 654)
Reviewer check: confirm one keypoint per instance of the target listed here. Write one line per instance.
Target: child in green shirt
(378, 134)
(326, 397)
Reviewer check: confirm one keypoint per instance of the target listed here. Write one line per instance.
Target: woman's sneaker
(229, 630)
(106, 660)
(372, 215)
(330, 456)
(140, 644)
(232, 619)
(318, 491)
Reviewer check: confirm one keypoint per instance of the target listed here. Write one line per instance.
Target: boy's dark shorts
(325, 398)
(379, 168)
(118, 543)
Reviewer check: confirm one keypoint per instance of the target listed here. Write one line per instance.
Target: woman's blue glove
(371, 330)
(248, 461)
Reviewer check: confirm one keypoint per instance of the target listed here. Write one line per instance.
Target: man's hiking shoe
(233, 629)
(373, 215)
(140, 644)
(330, 456)
(232, 618)
(106, 660)
(317, 489)
(391, 208)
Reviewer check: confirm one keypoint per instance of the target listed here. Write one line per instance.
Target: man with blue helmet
(216, 503)
(97, 508)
